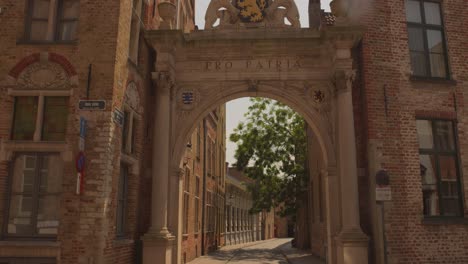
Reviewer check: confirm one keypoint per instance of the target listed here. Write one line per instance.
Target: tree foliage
(271, 149)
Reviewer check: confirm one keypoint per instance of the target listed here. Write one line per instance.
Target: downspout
(178, 14)
(204, 189)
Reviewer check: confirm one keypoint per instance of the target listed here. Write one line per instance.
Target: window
(128, 132)
(122, 202)
(426, 39)
(439, 168)
(49, 124)
(186, 199)
(34, 196)
(135, 31)
(52, 20)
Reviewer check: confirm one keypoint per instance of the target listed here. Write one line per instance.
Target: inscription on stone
(276, 64)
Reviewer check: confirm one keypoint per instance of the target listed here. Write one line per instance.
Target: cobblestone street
(274, 251)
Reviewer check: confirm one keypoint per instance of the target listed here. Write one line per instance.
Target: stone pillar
(352, 243)
(158, 242)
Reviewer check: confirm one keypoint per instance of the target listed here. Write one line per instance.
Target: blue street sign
(83, 124)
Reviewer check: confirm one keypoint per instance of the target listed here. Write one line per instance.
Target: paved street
(274, 251)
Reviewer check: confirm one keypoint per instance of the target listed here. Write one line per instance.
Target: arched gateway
(310, 70)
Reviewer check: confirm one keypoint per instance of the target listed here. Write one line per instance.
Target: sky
(236, 109)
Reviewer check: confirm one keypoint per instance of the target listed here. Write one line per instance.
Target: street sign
(92, 105)
(383, 194)
(118, 117)
(83, 124)
(80, 162)
(81, 144)
(80, 167)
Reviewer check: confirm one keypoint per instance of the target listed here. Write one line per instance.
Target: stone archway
(309, 70)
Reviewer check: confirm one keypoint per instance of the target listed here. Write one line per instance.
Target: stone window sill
(8, 147)
(123, 241)
(433, 80)
(445, 220)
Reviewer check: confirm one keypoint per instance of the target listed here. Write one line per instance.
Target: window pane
(51, 174)
(418, 64)
(70, 9)
(125, 131)
(24, 174)
(416, 39)
(47, 215)
(41, 9)
(434, 41)
(413, 11)
(429, 184)
(55, 118)
(20, 222)
(424, 127)
(438, 65)
(432, 13)
(24, 124)
(448, 171)
(444, 135)
(451, 207)
(68, 30)
(38, 30)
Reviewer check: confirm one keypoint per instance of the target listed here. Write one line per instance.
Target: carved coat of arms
(270, 13)
(251, 10)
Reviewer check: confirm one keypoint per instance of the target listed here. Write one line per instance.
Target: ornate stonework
(251, 13)
(43, 76)
(132, 98)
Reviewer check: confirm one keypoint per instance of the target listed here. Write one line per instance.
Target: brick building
(204, 185)
(405, 120)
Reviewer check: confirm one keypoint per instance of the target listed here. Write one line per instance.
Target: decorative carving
(343, 80)
(43, 76)
(260, 12)
(229, 15)
(319, 96)
(187, 99)
(281, 9)
(339, 9)
(164, 82)
(252, 85)
(167, 12)
(132, 97)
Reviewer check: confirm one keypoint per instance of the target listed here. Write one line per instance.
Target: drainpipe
(178, 14)
(204, 189)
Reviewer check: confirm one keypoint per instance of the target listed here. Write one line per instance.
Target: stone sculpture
(259, 13)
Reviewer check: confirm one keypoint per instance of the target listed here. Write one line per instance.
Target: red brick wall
(386, 63)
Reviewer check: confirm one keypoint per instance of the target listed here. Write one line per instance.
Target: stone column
(158, 242)
(352, 242)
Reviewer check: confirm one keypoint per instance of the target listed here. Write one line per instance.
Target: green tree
(271, 149)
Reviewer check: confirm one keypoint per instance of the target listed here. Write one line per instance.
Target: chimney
(314, 14)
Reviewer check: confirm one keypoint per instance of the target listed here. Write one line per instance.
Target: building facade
(99, 100)
(241, 225)
(204, 179)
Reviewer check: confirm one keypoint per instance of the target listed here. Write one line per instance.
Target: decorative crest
(251, 13)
